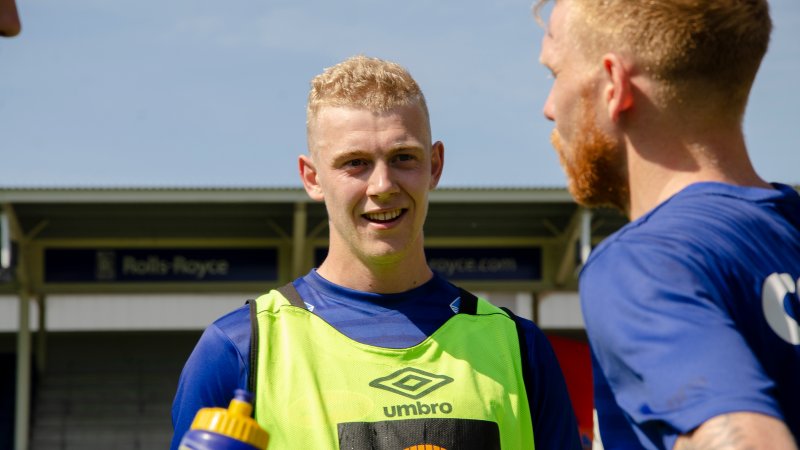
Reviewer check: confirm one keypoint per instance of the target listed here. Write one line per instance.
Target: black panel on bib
(443, 434)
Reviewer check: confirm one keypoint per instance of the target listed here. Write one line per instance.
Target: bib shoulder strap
(253, 359)
(523, 351)
(469, 305)
(287, 290)
(469, 302)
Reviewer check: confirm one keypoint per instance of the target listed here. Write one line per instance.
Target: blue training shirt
(219, 363)
(692, 312)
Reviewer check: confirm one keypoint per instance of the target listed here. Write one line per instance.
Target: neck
(661, 164)
(386, 276)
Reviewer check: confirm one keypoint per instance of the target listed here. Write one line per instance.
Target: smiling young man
(372, 350)
(692, 308)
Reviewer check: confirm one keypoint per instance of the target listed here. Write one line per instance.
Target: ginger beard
(594, 163)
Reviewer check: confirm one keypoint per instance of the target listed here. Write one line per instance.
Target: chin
(595, 166)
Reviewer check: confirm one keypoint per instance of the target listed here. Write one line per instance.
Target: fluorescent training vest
(461, 388)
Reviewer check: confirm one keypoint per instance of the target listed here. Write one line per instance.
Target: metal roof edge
(208, 194)
(149, 194)
(502, 195)
(256, 194)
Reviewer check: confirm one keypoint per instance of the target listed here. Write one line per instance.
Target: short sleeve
(554, 424)
(213, 371)
(664, 341)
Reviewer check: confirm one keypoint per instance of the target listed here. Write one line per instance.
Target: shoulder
(228, 334)
(706, 213)
(217, 365)
(705, 236)
(540, 352)
(689, 239)
(235, 323)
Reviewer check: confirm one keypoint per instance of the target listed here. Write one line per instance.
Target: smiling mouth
(384, 216)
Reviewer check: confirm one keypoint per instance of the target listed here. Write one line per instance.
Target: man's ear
(437, 163)
(618, 94)
(308, 174)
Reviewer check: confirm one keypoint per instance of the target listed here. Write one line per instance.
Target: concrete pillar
(586, 234)
(23, 400)
(41, 335)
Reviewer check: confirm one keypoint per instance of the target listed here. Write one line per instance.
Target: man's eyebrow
(402, 145)
(349, 153)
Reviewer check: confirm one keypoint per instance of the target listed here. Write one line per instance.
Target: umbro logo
(410, 382)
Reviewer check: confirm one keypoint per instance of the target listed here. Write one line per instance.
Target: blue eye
(404, 157)
(355, 163)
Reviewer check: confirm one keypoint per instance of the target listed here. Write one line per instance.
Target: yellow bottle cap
(234, 422)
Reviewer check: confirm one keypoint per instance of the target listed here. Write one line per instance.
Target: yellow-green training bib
(460, 389)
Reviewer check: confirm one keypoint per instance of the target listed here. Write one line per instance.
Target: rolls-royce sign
(522, 263)
(126, 265)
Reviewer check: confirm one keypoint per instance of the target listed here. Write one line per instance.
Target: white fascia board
(260, 195)
(290, 195)
(493, 195)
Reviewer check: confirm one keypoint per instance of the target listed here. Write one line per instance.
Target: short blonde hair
(363, 82)
(713, 47)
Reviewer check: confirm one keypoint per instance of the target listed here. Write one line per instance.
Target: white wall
(106, 312)
(9, 314)
(196, 311)
(560, 310)
(519, 302)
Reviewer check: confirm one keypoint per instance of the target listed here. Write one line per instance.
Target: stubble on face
(594, 163)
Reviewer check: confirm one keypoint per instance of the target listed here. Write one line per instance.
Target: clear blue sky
(212, 93)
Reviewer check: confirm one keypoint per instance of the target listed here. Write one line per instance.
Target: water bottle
(226, 429)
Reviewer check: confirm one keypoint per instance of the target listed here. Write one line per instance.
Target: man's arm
(738, 431)
(213, 371)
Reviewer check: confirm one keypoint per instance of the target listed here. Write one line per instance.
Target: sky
(199, 93)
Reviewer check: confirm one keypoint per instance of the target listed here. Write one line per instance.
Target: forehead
(555, 36)
(345, 127)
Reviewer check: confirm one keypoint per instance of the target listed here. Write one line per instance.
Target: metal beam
(23, 399)
(41, 335)
(299, 240)
(570, 236)
(550, 227)
(23, 391)
(318, 228)
(279, 231)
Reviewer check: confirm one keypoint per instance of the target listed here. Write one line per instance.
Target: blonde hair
(693, 48)
(363, 82)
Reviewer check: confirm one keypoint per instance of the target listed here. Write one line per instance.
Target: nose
(9, 19)
(549, 109)
(381, 182)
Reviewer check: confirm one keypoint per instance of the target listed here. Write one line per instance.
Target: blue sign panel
(479, 263)
(131, 265)
(487, 264)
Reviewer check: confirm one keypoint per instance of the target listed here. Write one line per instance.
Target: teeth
(383, 216)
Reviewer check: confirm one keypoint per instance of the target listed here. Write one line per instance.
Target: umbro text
(418, 409)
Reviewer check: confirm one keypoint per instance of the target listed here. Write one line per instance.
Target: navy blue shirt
(219, 363)
(692, 312)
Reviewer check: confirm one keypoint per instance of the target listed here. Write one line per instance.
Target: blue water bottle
(226, 429)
